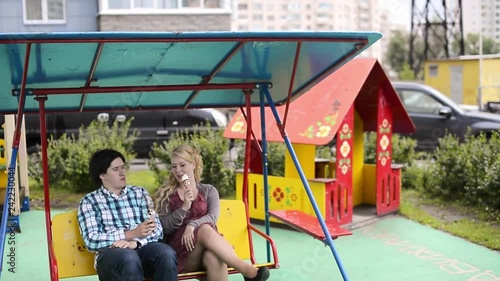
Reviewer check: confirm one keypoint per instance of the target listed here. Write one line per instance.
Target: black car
(434, 114)
(153, 125)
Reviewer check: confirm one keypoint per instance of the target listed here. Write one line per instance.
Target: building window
(433, 70)
(257, 17)
(44, 11)
(160, 4)
(323, 15)
(210, 4)
(324, 5)
(257, 6)
(119, 4)
(143, 3)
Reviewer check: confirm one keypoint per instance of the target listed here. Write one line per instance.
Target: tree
(471, 43)
(406, 73)
(397, 50)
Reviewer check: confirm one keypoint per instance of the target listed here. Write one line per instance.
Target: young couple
(131, 242)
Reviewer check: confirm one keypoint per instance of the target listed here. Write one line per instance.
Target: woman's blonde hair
(191, 155)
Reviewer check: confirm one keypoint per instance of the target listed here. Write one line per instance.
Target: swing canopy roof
(150, 70)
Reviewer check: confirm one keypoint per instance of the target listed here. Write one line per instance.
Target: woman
(188, 212)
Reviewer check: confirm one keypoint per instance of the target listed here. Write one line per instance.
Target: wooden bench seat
(73, 259)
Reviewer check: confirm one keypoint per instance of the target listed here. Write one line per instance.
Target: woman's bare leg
(194, 259)
(209, 239)
(216, 269)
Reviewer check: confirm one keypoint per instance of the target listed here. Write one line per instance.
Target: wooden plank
(308, 224)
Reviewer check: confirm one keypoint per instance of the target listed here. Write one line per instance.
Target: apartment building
(48, 15)
(312, 15)
(164, 15)
(114, 15)
(482, 15)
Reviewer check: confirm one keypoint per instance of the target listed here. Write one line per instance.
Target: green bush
(370, 145)
(403, 152)
(275, 157)
(447, 178)
(403, 149)
(68, 156)
(468, 171)
(213, 148)
(325, 152)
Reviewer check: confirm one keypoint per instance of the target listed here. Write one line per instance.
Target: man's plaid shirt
(104, 217)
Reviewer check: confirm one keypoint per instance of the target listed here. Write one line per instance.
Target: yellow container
(3, 164)
(3, 178)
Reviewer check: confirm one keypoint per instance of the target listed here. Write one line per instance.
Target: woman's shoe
(262, 275)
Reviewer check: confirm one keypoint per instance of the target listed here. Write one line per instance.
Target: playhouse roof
(327, 103)
(93, 71)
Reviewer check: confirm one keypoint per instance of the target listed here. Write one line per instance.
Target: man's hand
(142, 230)
(125, 244)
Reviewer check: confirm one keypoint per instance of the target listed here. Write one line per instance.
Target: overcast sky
(399, 11)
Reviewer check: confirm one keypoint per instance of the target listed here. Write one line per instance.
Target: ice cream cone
(185, 181)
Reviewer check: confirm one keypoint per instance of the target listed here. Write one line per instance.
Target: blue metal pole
(328, 237)
(264, 167)
(7, 204)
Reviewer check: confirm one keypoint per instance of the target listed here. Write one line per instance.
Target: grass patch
(144, 178)
(472, 225)
(56, 195)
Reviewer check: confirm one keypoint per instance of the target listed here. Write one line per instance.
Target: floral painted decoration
(322, 128)
(344, 162)
(239, 126)
(384, 130)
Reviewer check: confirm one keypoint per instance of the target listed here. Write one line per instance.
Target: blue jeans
(155, 259)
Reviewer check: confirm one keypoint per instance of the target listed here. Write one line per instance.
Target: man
(114, 223)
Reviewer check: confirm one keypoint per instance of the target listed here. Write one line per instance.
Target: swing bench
(106, 71)
(73, 259)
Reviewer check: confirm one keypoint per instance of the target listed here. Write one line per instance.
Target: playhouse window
(433, 70)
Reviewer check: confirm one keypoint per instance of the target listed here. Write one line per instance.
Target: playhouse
(356, 98)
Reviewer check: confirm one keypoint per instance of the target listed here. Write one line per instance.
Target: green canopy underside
(85, 63)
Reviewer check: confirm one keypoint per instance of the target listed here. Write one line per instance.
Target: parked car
(153, 125)
(434, 114)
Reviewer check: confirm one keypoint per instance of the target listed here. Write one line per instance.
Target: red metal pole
(46, 196)
(253, 134)
(292, 81)
(93, 67)
(214, 72)
(246, 165)
(133, 89)
(179, 40)
(22, 99)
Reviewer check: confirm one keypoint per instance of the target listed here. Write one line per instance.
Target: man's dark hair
(100, 162)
